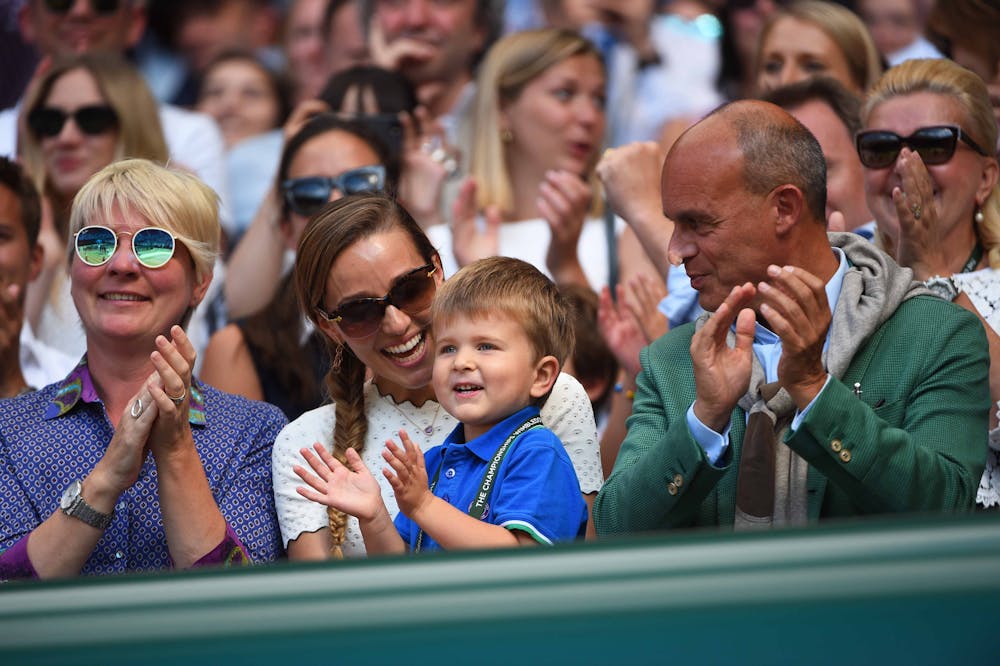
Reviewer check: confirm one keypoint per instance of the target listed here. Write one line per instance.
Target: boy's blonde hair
(513, 288)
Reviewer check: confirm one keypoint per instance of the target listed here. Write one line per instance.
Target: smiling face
(328, 154)
(960, 184)
(73, 156)
(795, 50)
(239, 95)
(722, 233)
(558, 120)
(399, 352)
(447, 28)
(485, 369)
(124, 302)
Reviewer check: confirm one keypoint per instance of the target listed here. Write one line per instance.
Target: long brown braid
(336, 227)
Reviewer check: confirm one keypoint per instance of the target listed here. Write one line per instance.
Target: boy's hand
(409, 482)
(349, 488)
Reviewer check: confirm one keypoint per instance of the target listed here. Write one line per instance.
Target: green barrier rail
(923, 591)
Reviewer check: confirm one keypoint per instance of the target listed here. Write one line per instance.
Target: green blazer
(914, 440)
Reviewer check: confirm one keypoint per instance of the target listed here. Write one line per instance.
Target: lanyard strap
(974, 258)
(486, 486)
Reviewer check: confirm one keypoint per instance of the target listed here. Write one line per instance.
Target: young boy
(501, 332)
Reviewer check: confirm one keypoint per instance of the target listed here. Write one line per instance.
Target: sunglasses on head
(412, 293)
(307, 195)
(103, 7)
(935, 145)
(152, 246)
(48, 121)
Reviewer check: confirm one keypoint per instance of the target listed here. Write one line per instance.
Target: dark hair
(779, 150)
(336, 227)
(327, 122)
(280, 85)
(593, 361)
(393, 91)
(845, 104)
(13, 177)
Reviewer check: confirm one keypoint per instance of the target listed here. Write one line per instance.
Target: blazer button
(678, 480)
(672, 488)
(836, 445)
(845, 455)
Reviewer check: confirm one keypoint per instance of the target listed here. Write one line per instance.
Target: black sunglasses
(878, 149)
(307, 195)
(48, 121)
(103, 7)
(412, 293)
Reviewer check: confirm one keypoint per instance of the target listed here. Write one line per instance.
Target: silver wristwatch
(943, 287)
(73, 505)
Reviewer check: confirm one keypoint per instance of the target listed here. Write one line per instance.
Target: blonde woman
(86, 112)
(931, 182)
(539, 129)
(811, 38)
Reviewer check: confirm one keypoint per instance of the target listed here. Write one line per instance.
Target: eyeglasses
(48, 121)
(152, 246)
(412, 294)
(935, 145)
(307, 195)
(102, 7)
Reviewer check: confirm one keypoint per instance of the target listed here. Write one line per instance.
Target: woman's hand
(349, 488)
(563, 201)
(920, 245)
(428, 160)
(170, 388)
(408, 477)
(304, 111)
(620, 330)
(119, 468)
(642, 295)
(469, 243)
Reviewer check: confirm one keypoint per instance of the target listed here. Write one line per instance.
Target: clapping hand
(408, 476)
(347, 486)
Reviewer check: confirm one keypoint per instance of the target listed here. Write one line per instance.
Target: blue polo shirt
(535, 490)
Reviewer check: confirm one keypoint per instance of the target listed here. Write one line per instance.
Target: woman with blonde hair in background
(539, 128)
(931, 182)
(811, 38)
(85, 112)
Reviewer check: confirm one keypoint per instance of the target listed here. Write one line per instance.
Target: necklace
(429, 430)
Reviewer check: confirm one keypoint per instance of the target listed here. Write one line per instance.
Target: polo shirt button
(119, 554)
(449, 473)
(672, 488)
(678, 480)
(845, 455)
(836, 445)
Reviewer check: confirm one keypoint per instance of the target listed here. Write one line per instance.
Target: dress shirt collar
(78, 387)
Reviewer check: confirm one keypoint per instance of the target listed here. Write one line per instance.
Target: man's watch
(73, 505)
(943, 287)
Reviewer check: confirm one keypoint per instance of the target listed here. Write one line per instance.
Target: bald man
(816, 388)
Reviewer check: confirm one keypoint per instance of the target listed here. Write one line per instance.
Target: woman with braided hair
(366, 275)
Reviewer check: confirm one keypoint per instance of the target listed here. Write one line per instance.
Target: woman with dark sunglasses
(272, 354)
(931, 182)
(366, 274)
(129, 463)
(85, 112)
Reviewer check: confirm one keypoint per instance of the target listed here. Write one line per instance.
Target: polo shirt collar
(78, 386)
(485, 446)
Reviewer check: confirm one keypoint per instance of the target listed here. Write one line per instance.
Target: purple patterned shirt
(56, 435)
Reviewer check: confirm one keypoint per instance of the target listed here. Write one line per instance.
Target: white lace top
(567, 412)
(983, 289)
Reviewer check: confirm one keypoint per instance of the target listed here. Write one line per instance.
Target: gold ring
(916, 209)
(179, 399)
